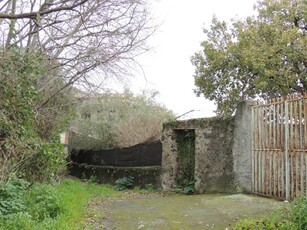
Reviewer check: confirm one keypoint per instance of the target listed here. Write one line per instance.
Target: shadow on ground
(187, 212)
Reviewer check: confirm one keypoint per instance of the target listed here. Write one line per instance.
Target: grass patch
(45, 206)
(293, 217)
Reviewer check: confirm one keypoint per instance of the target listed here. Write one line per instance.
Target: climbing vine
(186, 159)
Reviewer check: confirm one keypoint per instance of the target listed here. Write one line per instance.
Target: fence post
(287, 173)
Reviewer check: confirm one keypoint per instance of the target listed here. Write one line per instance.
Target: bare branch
(33, 15)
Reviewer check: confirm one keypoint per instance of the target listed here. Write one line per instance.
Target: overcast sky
(167, 67)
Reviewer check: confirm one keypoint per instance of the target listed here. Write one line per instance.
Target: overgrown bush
(117, 120)
(298, 212)
(44, 206)
(11, 197)
(22, 206)
(29, 137)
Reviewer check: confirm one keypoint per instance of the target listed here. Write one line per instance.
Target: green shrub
(11, 197)
(124, 183)
(189, 188)
(17, 221)
(22, 205)
(30, 146)
(274, 222)
(43, 203)
(293, 217)
(298, 212)
(43, 206)
(93, 179)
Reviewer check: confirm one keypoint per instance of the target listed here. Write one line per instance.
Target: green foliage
(186, 158)
(45, 206)
(27, 149)
(268, 223)
(262, 56)
(299, 212)
(149, 188)
(22, 206)
(93, 179)
(117, 120)
(189, 188)
(124, 183)
(294, 217)
(11, 197)
(43, 203)
(16, 221)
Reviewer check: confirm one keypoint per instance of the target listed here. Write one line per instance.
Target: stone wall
(213, 154)
(222, 153)
(142, 176)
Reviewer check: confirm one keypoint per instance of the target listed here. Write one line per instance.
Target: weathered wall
(142, 176)
(242, 147)
(213, 157)
(213, 154)
(169, 159)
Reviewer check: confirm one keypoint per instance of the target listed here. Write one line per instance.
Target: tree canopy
(260, 56)
(117, 120)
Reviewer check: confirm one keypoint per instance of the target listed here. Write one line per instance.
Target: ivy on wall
(186, 157)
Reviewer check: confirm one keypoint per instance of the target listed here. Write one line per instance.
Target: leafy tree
(27, 149)
(117, 120)
(261, 56)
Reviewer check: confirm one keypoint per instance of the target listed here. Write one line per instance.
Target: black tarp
(139, 155)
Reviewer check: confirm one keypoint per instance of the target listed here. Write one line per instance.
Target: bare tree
(79, 37)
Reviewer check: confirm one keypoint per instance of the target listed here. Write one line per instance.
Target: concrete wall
(222, 152)
(242, 147)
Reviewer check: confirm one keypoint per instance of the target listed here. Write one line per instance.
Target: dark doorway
(186, 157)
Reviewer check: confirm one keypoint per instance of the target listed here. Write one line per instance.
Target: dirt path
(157, 212)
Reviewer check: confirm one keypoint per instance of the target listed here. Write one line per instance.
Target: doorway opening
(186, 159)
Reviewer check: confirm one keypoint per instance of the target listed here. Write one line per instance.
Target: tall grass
(42, 206)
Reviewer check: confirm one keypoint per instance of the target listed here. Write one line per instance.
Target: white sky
(168, 68)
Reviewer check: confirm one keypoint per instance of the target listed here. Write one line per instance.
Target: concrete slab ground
(187, 212)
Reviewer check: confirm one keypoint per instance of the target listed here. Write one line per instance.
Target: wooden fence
(279, 147)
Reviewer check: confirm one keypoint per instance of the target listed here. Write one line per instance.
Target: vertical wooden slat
(282, 124)
(305, 173)
(286, 156)
(256, 138)
(259, 117)
(291, 125)
(263, 139)
(301, 146)
(305, 121)
(265, 147)
(291, 142)
(277, 147)
(305, 138)
(295, 152)
(268, 155)
(274, 148)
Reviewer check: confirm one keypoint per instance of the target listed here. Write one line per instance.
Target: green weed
(292, 218)
(124, 183)
(45, 206)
